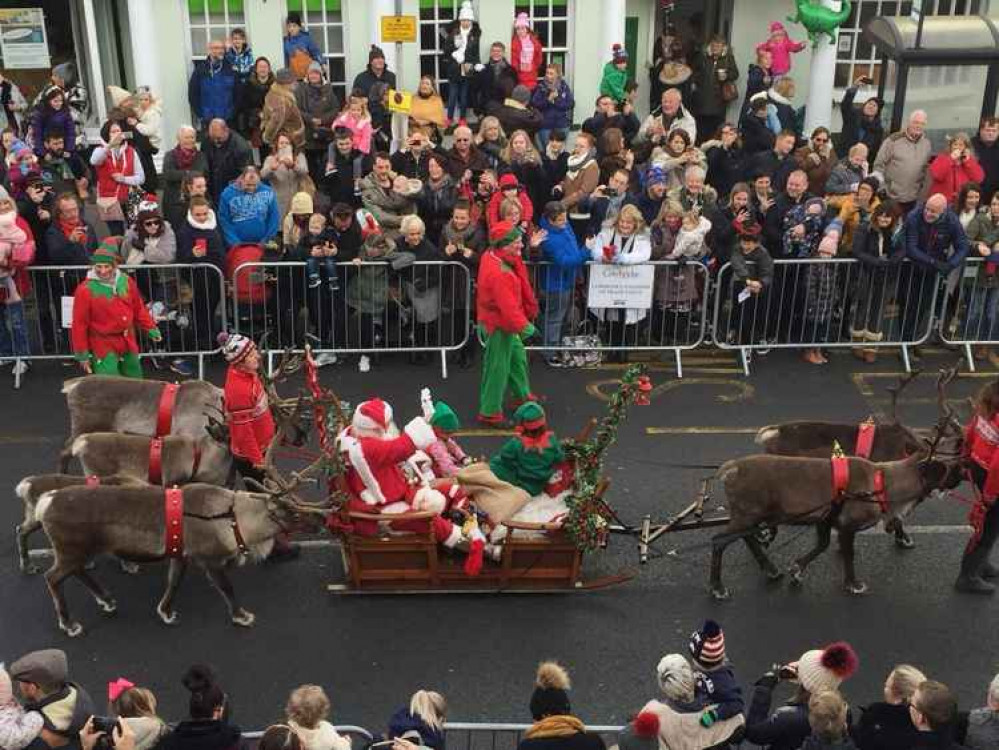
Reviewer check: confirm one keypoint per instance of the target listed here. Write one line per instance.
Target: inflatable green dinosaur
(817, 19)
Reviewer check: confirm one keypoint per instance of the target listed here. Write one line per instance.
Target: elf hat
(444, 418)
(149, 208)
(107, 252)
(508, 181)
(707, 645)
(825, 669)
(372, 416)
(619, 54)
(503, 234)
(235, 346)
(530, 416)
(466, 13)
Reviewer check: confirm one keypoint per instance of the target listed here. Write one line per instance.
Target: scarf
(208, 225)
(577, 164)
(555, 726)
(534, 442)
(67, 227)
(184, 157)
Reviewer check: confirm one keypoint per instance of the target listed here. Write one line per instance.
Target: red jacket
(949, 176)
(504, 297)
(981, 442)
(251, 425)
(374, 476)
(107, 187)
(104, 320)
(528, 78)
(526, 207)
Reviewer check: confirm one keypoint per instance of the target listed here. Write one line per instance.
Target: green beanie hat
(106, 252)
(530, 415)
(444, 418)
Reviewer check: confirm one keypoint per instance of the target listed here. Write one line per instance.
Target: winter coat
(208, 734)
(982, 731)
(627, 251)
(28, 210)
(564, 257)
(852, 216)
(725, 166)
(555, 113)
(493, 208)
(286, 182)
(948, 176)
(362, 129)
(174, 202)
(527, 75)
(646, 204)
(786, 113)
(280, 115)
(815, 743)
(339, 183)
(124, 161)
(248, 217)
(515, 116)
(580, 740)
(148, 730)
(756, 137)
(505, 299)
(45, 119)
(818, 172)
(18, 727)
(613, 81)
(149, 123)
(883, 726)
(779, 168)
(412, 165)
(988, 157)
(675, 165)
(435, 205)
(250, 103)
(983, 228)
(225, 162)
(599, 122)
(773, 226)
(942, 740)
(928, 244)
(682, 120)
(701, 201)
(317, 101)
(65, 711)
(189, 233)
(494, 82)
(460, 61)
(707, 88)
(759, 266)
(579, 183)
(787, 727)
(301, 43)
(160, 250)
(757, 79)
(427, 112)
(211, 90)
(385, 205)
(62, 252)
(858, 128)
(843, 178)
(780, 53)
(241, 62)
(403, 721)
(476, 161)
(902, 163)
(680, 728)
(323, 737)
(366, 80)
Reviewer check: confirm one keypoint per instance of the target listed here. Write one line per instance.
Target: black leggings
(973, 562)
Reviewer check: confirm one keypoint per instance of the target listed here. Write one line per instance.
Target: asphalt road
(371, 652)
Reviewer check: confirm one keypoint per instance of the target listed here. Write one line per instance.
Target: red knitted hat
(509, 180)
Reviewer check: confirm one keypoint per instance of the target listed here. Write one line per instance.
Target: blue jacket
(211, 91)
(554, 114)
(927, 244)
(720, 687)
(565, 255)
(403, 721)
(248, 217)
(301, 40)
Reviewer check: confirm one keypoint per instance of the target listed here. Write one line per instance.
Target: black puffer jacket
(784, 729)
(883, 726)
(202, 735)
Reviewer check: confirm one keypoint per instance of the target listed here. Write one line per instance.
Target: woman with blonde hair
(827, 716)
(422, 722)
(136, 706)
(307, 709)
(491, 140)
(427, 108)
(887, 725)
(525, 162)
(780, 96)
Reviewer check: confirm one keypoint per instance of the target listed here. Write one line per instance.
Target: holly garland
(589, 513)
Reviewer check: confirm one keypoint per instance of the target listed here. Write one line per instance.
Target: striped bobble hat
(235, 346)
(707, 645)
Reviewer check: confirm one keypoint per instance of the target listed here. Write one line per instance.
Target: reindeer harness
(865, 438)
(173, 505)
(164, 413)
(841, 481)
(156, 461)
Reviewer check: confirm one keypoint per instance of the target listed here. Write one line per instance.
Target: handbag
(729, 91)
(109, 209)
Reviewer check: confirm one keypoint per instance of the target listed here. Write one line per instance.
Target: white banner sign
(620, 286)
(23, 42)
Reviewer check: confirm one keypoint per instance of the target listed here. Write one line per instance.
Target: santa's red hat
(372, 416)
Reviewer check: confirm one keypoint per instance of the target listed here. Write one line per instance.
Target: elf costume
(247, 410)
(447, 456)
(505, 307)
(529, 460)
(105, 313)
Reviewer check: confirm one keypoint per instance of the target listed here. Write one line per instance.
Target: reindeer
(219, 527)
(892, 441)
(769, 490)
(184, 460)
(30, 489)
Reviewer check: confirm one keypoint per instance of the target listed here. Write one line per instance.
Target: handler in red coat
(981, 445)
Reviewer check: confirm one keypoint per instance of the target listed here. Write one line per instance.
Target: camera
(787, 672)
(107, 725)
(610, 192)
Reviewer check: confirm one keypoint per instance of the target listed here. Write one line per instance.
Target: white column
(145, 44)
(613, 12)
(381, 8)
(97, 97)
(818, 107)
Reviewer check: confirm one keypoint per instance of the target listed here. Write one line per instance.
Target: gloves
(154, 334)
(479, 67)
(708, 718)
(943, 267)
(529, 330)
(681, 261)
(769, 679)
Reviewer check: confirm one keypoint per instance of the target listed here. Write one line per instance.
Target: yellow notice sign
(398, 29)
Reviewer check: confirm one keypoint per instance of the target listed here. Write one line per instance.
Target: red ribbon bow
(118, 687)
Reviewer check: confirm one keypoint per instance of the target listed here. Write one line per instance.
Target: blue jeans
(313, 264)
(544, 135)
(13, 343)
(981, 324)
(554, 306)
(457, 97)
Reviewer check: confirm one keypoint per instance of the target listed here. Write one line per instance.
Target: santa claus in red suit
(374, 452)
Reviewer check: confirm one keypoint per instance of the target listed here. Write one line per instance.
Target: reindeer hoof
(904, 540)
(243, 619)
(797, 574)
(721, 595)
(30, 569)
(130, 568)
(857, 588)
(90, 565)
(73, 629)
(774, 575)
(108, 606)
(168, 618)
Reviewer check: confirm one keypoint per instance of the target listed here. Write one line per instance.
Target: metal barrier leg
(201, 366)
(679, 363)
(744, 356)
(905, 359)
(970, 357)
(17, 373)
(444, 364)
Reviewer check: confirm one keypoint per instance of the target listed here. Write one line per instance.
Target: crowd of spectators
(275, 166)
(700, 705)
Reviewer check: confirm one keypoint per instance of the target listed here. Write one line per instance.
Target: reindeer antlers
(896, 390)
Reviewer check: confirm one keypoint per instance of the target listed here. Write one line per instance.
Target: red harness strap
(93, 481)
(879, 492)
(865, 438)
(197, 461)
(174, 514)
(840, 477)
(164, 414)
(156, 461)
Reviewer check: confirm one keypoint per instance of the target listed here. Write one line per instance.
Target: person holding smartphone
(861, 124)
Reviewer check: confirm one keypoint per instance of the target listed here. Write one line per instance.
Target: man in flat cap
(42, 680)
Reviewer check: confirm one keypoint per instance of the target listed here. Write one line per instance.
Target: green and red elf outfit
(505, 307)
(107, 307)
(529, 460)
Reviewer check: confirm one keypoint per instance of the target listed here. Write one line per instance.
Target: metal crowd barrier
(828, 303)
(676, 321)
(363, 736)
(971, 312)
(184, 299)
(355, 308)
